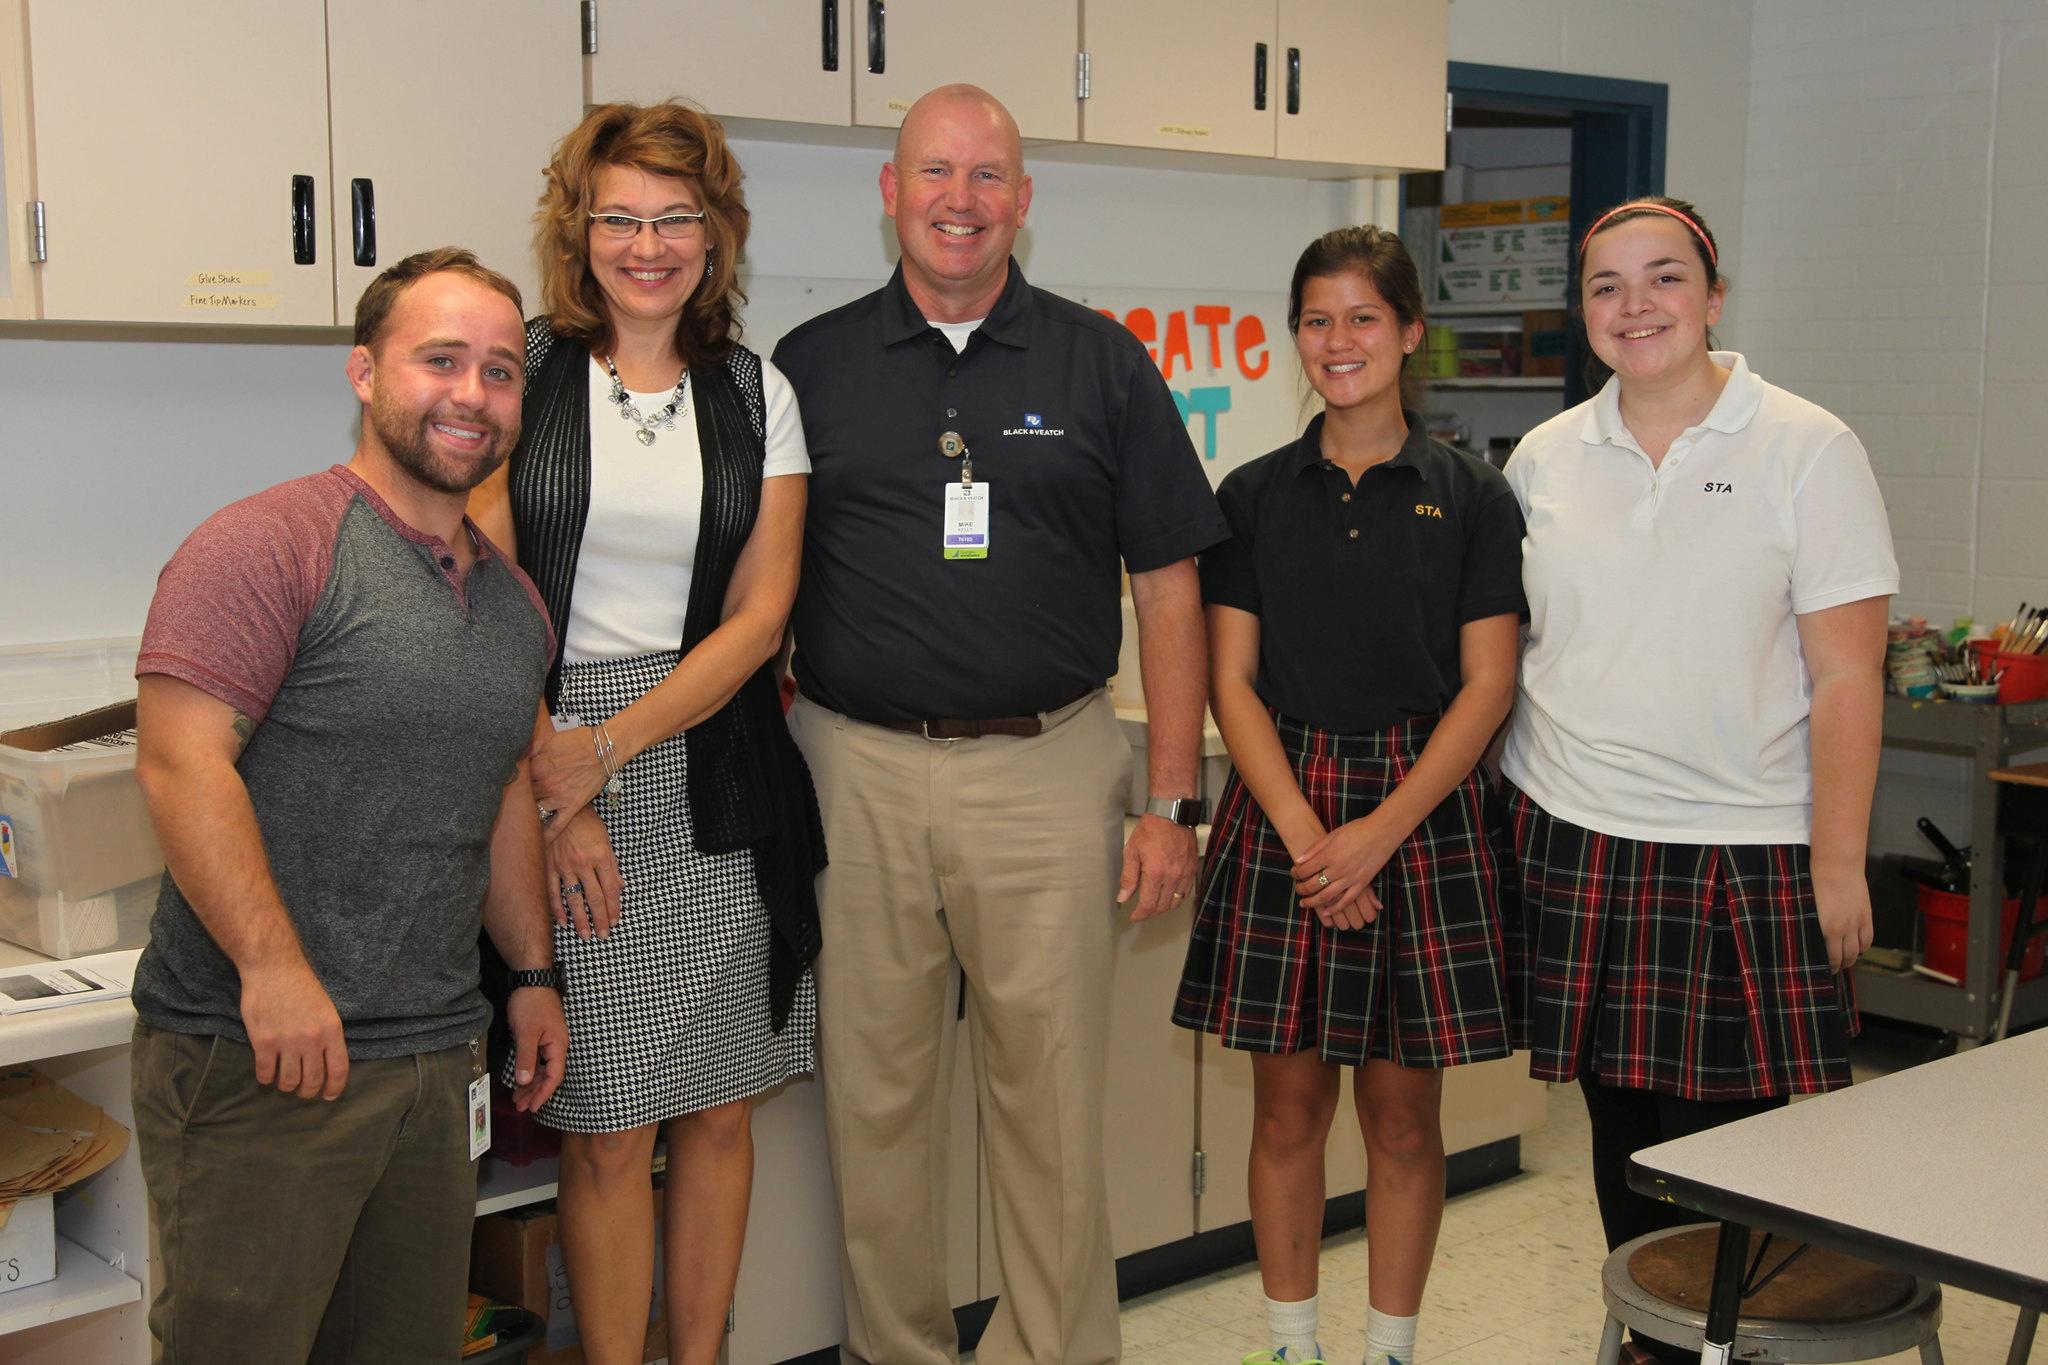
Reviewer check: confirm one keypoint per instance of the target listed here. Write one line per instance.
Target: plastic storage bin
(81, 861)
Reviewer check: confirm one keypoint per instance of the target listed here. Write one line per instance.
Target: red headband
(1713, 256)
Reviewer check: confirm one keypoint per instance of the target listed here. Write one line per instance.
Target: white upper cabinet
(189, 171)
(1023, 52)
(1337, 82)
(1362, 82)
(841, 63)
(1186, 75)
(181, 158)
(445, 115)
(790, 60)
(17, 188)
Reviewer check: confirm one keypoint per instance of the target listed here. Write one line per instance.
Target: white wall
(1893, 269)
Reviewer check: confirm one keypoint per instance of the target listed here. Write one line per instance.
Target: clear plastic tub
(79, 863)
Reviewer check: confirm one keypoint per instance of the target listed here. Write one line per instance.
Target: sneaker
(1280, 1357)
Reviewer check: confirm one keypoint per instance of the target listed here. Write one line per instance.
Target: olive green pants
(301, 1230)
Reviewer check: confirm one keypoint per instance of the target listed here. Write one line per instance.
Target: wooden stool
(1808, 1306)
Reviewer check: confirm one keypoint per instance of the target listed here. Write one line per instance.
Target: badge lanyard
(964, 521)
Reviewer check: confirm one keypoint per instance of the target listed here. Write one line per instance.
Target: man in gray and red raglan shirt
(337, 684)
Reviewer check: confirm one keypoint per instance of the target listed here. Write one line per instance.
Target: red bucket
(1945, 917)
(2026, 677)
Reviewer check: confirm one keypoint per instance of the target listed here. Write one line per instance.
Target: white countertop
(66, 1029)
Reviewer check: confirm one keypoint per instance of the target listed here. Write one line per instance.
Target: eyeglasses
(674, 226)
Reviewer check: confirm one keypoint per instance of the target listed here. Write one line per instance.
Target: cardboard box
(28, 1245)
(1490, 353)
(79, 863)
(1543, 342)
(515, 1258)
(1516, 284)
(1483, 213)
(1549, 208)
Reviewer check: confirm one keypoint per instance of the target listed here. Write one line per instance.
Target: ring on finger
(1322, 879)
(572, 888)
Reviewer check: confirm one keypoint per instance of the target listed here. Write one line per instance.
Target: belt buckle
(925, 728)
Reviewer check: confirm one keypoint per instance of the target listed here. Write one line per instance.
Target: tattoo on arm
(244, 728)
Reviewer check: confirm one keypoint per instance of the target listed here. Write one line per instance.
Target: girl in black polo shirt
(1363, 621)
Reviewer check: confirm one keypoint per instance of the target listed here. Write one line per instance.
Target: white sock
(1389, 1340)
(1293, 1326)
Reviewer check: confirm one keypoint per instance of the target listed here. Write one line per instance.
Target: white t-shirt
(958, 332)
(633, 570)
(1664, 696)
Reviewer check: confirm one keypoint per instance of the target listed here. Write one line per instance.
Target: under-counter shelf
(84, 1284)
(1988, 736)
(1538, 382)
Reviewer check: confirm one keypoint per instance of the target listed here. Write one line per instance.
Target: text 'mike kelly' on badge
(965, 522)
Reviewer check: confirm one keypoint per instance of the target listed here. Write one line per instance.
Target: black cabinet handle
(363, 214)
(1258, 75)
(302, 220)
(831, 35)
(878, 37)
(1293, 80)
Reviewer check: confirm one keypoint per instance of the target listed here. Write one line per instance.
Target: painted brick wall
(1891, 270)
(1895, 211)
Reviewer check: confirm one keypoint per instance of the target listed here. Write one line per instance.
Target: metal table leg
(1724, 1304)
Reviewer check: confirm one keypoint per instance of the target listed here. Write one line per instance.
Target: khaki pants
(297, 1230)
(1001, 854)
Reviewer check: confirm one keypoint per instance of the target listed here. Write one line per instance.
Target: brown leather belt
(1015, 727)
(1018, 727)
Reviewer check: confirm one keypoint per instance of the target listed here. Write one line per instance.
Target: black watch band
(1187, 811)
(535, 976)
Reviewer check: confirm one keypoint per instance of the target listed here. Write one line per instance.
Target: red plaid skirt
(1426, 984)
(1695, 970)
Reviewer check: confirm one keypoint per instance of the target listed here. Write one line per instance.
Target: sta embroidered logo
(1720, 488)
(1429, 509)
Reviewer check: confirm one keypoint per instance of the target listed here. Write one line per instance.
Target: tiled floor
(1516, 1282)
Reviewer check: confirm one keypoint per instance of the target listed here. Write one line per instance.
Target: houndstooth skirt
(668, 1014)
(1426, 984)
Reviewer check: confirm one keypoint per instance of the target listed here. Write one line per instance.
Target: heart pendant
(644, 436)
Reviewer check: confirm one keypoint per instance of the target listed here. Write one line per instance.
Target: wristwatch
(1187, 811)
(536, 976)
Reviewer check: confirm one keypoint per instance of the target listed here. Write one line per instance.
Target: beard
(405, 433)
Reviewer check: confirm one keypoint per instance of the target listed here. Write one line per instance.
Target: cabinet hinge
(589, 27)
(38, 237)
(1083, 85)
(1200, 1174)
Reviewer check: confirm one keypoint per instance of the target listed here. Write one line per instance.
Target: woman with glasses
(657, 494)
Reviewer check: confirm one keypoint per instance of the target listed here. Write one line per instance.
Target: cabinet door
(168, 140)
(1362, 82)
(17, 279)
(446, 113)
(1149, 1119)
(767, 59)
(1020, 51)
(1181, 74)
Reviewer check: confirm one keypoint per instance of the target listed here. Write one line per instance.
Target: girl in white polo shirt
(1695, 736)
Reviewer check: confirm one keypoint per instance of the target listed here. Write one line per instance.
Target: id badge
(966, 520)
(479, 1108)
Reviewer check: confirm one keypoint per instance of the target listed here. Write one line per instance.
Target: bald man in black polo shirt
(986, 457)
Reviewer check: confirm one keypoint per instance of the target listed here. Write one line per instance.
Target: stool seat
(1822, 1307)
(1818, 1286)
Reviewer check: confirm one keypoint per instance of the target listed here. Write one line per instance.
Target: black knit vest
(749, 787)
